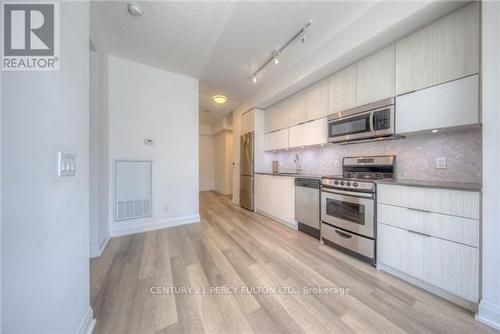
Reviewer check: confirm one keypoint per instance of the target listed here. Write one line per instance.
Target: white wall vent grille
(133, 185)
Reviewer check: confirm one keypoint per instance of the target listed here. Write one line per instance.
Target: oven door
(350, 128)
(354, 212)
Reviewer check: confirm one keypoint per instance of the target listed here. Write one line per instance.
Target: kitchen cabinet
(432, 236)
(275, 197)
(296, 109)
(317, 100)
(376, 76)
(452, 104)
(248, 122)
(342, 90)
(277, 118)
(277, 140)
(445, 50)
(309, 134)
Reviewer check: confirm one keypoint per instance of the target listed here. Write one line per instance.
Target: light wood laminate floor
(236, 248)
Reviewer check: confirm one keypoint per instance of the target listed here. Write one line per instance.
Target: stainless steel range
(348, 205)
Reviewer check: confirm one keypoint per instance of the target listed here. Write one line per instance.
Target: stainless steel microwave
(371, 121)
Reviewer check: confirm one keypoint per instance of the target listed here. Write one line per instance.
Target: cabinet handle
(419, 210)
(343, 234)
(420, 233)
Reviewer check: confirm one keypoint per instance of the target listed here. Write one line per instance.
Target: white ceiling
(222, 43)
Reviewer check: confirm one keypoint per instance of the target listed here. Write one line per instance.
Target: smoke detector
(134, 9)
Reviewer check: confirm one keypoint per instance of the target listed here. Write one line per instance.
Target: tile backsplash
(416, 156)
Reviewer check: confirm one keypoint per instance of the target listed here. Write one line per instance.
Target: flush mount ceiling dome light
(134, 9)
(220, 99)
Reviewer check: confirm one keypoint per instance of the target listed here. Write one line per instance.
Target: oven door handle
(343, 234)
(348, 193)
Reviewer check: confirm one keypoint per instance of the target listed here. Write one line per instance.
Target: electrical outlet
(440, 162)
(336, 162)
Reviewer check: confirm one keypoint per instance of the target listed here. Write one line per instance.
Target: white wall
(223, 162)
(489, 307)
(99, 171)
(146, 102)
(207, 162)
(45, 231)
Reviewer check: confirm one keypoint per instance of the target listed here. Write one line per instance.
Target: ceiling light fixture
(434, 131)
(300, 35)
(220, 99)
(134, 9)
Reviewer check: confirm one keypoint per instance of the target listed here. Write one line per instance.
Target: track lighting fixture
(300, 35)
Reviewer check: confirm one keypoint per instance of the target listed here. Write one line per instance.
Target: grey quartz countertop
(292, 174)
(435, 184)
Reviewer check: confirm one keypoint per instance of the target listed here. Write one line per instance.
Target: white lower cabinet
(447, 265)
(431, 235)
(275, 197)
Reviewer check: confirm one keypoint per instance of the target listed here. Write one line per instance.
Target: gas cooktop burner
(360, 173)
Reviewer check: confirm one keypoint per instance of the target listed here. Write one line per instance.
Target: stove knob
(342, 183)
(348, 183)
(336, 182)
(355, 184)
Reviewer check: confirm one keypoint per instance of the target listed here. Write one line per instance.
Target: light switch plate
(337, 163)
(441, 163)
(66, 164)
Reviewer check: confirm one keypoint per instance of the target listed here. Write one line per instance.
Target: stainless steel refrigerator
(246, 170)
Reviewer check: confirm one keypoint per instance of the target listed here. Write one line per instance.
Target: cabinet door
(452, 267)
(247, 122)
(315, 132)
(400, 250)
(278, 117)
(450, 104)
(317, 100)
(297, 135)
(297, 109)
(286, 198)
(342, 90)
(260, 194)
(277, 140)
(265, 194)
(375, 76)
(280, 140)
(442, 51)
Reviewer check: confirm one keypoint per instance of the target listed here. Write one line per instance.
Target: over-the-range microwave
(368, 122)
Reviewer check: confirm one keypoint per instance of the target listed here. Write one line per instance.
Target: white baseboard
(123, 228)
(88, 323)
(97, 249)
(489, 314)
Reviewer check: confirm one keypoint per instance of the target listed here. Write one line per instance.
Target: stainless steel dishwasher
(307, 210)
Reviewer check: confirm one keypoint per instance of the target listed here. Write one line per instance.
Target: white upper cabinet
(451, 104)
(342, 90)
(248, 122)
(442, 51)
(317, 100)
(277, 140)
(279, 116)
(376, 76)
(296, 109)
(309, 134)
